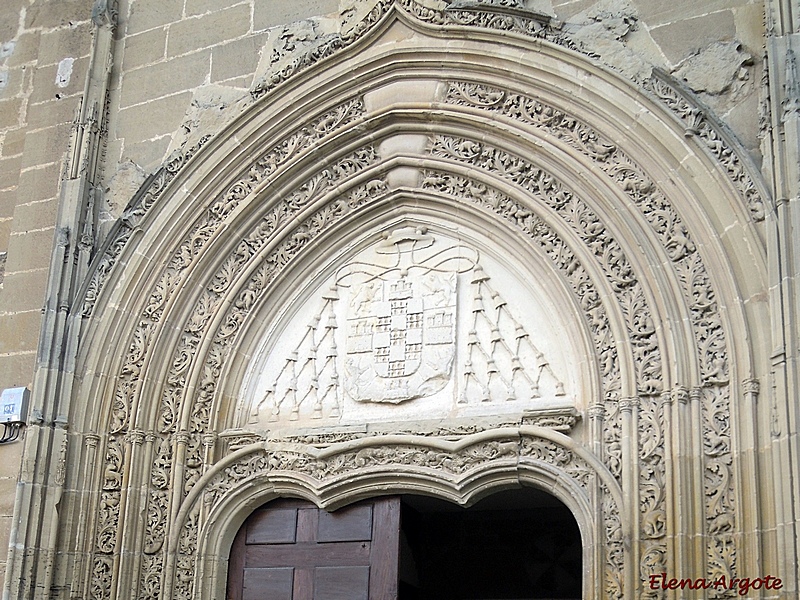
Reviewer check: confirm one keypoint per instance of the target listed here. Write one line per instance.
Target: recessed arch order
(504, 133)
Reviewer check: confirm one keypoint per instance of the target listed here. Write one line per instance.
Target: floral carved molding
(180, 448)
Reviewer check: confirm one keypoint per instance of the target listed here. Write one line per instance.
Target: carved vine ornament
(185, 476)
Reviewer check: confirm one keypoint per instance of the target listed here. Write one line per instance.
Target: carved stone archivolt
(310, 223)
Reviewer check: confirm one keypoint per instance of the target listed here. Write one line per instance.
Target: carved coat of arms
(400, 338)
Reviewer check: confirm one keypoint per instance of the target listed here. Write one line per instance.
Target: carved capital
(681, 394)
(558, 419)
(629, 405)
(135, 437)
(182, 437)
(596, 412)
(751, 386)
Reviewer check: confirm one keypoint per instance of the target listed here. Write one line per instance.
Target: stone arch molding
(479, 118)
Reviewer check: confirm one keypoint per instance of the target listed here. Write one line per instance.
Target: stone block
(566, 10)
(268, 14)
(5, 231)
(49, 14)
(5, 520)
(13, 82)
(9, 19)
(9, 471)
(8, 200)
(658, 12)
(147, 14)
(13, 142)
(53, 112)
(211, 29)
(200, 7)
(144, 48)
(29, 250)
(148, 155)
(41, 183)
(684, 38)
(45, 146)
(26, 49)
(16, 370)
(20, 331)
(236, 59)
(46, 88)
(162, 79)
(10, 113)
(154, 119)
(66, 41)
(23, 291)
(9, 172)
(35, 215)
(750, 26)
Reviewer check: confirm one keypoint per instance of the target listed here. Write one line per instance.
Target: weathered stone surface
(165, 78)
(50, 14)
(65, 42)
(208, 30)
(16, 369)
(13, 142)
(19, 331)
(52, 112)
(37, 215)
(721, 67)
(656, 12)
(152, 119)
(45, 146)
(23, 291)
(26, 49)
(236, 59)
(144, 48)
(39, 183)
(47, 85)
(684, 38)
(147, 14)
(200, 7)
(603, 30)
(212, 106)
(9, 172)
(9, 19)
(151, 153)
(10, 113)
(266, 16)
(125, 182)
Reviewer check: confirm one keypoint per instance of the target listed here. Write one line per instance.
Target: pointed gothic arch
(643, 210)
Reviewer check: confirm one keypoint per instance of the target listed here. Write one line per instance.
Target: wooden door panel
(309, 555)
(272, 583)
(346, 525)
(277, 526)
(341, 583)
(291, 550)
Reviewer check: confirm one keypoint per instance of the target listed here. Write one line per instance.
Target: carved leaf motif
(101, 578)
(156, 522)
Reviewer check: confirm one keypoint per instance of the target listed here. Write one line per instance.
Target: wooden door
(291, 550)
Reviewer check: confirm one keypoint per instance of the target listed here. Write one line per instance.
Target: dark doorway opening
(519, 544)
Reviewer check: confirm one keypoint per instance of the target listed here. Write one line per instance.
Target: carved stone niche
(415, 328)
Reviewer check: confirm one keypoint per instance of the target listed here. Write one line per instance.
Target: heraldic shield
(401, 338)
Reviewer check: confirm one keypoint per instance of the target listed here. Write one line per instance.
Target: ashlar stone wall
(181, 69)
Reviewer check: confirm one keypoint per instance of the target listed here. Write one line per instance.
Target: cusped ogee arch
(512, 469)
(590, 173)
